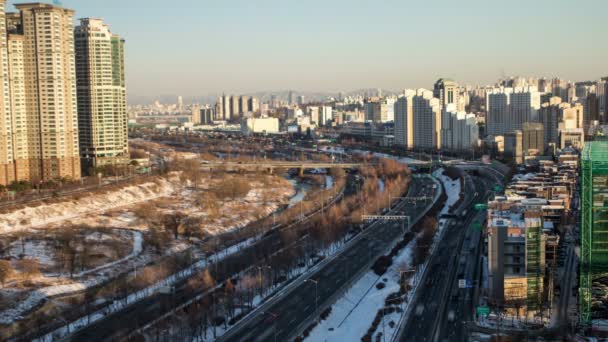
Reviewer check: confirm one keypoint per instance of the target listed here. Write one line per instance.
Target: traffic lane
(420, 327)
(463, 306)
(439, 285)
(334, 280)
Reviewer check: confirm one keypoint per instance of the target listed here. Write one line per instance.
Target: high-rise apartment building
(101, 89)
(427, 120)
(508, 108)
(459, 130)
(244, 104)
(404, 119)
(446, 90)
(563, 123)
(234, 107)
(38, 117)
(180, 104)
(254, 104)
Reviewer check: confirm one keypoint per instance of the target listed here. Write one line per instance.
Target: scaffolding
(594, 222)
(535, 260)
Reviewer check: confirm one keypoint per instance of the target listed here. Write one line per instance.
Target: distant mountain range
(264, 96)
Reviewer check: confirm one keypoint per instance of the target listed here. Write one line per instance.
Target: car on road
(451, 316)
(419, 309)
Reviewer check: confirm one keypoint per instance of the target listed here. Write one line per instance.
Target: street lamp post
(274, 323)
(260, 278)
(316, 295)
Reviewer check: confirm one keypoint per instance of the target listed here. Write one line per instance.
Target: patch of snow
(452, 189)
(46, 214)
(10, 315)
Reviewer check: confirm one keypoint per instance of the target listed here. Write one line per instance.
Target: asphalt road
(283, 317)
(428, 319)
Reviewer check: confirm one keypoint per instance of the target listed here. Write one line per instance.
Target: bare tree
(6, 271)
(29, 267)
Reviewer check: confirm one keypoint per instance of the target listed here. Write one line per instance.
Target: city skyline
(341, 46)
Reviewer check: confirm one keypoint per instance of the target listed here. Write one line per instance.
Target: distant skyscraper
(180, 104)
(234, 107)
(227, 111)
(301, 100)
(219, 108)
(292, 98)
(244, 104)
(273, 101)
(102, 101)
(43, 142)
(254, 104)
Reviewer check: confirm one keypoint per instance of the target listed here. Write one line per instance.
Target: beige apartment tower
(38, 117)
(102, 102)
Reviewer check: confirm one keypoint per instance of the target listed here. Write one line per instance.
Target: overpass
(270, 165)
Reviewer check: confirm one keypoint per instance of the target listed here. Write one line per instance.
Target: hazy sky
(197, 47)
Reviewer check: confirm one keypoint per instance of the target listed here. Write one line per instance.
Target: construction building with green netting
(594, 231)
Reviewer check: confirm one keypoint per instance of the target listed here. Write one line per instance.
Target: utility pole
(316, 296)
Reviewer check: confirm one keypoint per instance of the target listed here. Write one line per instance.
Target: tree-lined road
(284, 316)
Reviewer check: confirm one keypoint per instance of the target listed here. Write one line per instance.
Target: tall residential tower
(102, 103)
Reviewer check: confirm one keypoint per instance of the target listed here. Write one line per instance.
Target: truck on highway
(451, 316)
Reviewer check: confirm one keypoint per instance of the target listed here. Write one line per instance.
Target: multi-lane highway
(438, 310)
(284, 316)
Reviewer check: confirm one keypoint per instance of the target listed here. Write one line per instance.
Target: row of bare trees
(300, 247)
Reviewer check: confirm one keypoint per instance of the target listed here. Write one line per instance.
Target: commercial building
(260, 126)
(533, 139)
(514, 146)
(38, 115)
(102, 99)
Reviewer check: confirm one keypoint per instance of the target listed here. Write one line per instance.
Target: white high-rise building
(102, 101)
(508, 108)
(427, 120)
(404, 119)
(459, 130)
(325, 115)
(446, 90)
(180, 104)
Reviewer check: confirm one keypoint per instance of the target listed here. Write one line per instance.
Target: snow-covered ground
(45, 214)
(352, 314)
(35, 297)
(452, 189)
(120, 304)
